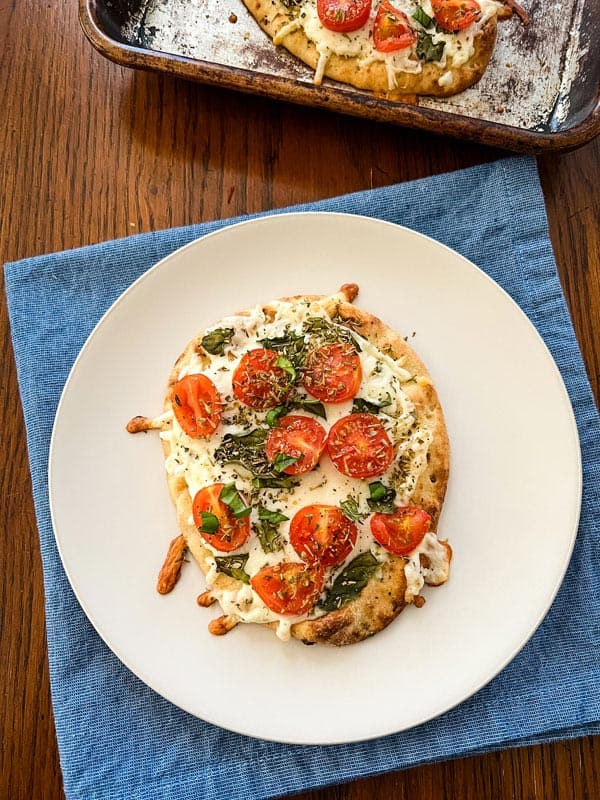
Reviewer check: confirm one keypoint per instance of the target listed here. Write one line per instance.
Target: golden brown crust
(171, 568)
(272, 16)
(383, 598)
(378, 604)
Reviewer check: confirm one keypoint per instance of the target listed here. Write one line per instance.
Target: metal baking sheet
(543, 78)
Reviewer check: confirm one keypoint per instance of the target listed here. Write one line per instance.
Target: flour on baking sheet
(526, 85)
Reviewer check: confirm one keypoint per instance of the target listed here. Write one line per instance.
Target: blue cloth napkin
(117, 738)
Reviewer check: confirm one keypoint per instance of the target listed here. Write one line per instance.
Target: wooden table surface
(91, 151)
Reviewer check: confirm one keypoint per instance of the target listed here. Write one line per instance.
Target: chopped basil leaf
(327, 332)
(422, 18)
(271, 516)
(376, 490)
(291, 345)
(267, 529)
(233, 566)
(350, 509)
(247, 449)
(210, 523)
(381, 498)
(231, 497)
(284, 363)
(351, 581)
(312, 406)
(426, 50)
(282, 461)
(362, 406)
(215, 341)
(274, 482)
(255, 438)
(274, 415)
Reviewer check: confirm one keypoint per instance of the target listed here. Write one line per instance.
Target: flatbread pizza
(394, 48)
(307, 457)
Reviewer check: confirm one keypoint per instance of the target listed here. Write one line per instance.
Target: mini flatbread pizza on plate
(307, 457)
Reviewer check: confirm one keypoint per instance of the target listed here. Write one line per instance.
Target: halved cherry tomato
(232, 532)
(322, 535)
(391, 29)
(455, 15)
(258, 382)
(359, 446)
(196, 405)
(401, 531)
(289, 588)
(343, 16)
(299, 437)
(332, 373)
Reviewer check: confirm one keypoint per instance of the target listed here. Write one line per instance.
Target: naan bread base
(384, 597)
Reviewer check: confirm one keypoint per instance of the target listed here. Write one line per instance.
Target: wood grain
(90, 151)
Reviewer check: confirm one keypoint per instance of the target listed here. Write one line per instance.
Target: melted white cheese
(382, 382)
(434, 571)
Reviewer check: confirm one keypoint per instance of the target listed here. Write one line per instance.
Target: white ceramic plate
(511, 512)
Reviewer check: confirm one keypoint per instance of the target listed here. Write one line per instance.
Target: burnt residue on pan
(542, 77)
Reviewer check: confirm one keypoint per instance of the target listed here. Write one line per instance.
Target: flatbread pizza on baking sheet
(395, 49)
(307, 457)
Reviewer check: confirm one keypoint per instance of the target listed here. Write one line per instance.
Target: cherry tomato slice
(258, 382)
(197, 405)
(299, 437)
(401, 531)
(343, 16)
(455, 15)
(391, 29)
(289, 588)
(359, 446)
(232, 532)
(332, 373)
(322, 535)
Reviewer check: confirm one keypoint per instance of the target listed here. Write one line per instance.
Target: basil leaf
(282, 461)
(210, 523)
(215, 341)
(255, 438)
(231, 497)
(274, 482)
(246, 449)
(233, 566)
(275, 414)
(426, 50)
(284, 363)
(422, 18)
(351, 581)
(326, 332)
(350, 509)
(275, 517)
(291, 345)
(267, 529)
(362, 406)
(313, 406)
(382, 497)
(376, 490)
